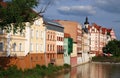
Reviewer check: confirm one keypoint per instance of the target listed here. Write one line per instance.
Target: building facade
(54, 42)
(26, 49)
(68, 48)
(75, 31)
(99, 37)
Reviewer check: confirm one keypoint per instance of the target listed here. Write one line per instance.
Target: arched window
(20, 47)
(14, 46)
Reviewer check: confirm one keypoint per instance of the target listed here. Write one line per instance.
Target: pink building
(99, 37)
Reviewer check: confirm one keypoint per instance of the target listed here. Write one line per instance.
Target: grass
(37, 72)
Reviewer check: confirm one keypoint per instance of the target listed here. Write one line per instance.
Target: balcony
(52, 60)
(60, 51)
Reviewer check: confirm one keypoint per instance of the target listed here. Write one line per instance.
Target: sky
(105, 13)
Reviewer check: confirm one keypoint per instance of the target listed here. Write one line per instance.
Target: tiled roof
(66, 35)
(96, 26)
(103, 30)
(109, 30)
(3, 4)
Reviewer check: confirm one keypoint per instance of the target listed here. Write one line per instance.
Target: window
(32, 33)
(1, 31)
(42, 34)
(37, 35)
(20, 47)
(31, 47)
(48, 36)
(48, 47)
(53, 47)
(1, 46)
(37, 47)
(36, 58)
(53, 55)
(41, 47)
(93, 30)
(14, 46)
(41, 57)
(51, 37)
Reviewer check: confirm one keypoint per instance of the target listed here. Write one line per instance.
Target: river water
(92, 70)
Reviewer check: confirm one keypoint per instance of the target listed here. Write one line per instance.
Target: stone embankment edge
(105, 62)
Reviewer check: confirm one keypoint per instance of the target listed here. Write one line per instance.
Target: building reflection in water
(73, 72)
(92, 70)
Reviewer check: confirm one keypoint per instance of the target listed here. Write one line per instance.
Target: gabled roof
(96, 26)
(109, 30)
(104, 30)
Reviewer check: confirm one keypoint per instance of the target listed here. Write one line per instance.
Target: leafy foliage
(36, 72)
(15, 13)
(112, 47)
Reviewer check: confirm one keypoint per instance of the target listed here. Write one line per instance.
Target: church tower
(86, 23)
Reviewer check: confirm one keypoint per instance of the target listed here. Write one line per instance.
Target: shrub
(66, 65)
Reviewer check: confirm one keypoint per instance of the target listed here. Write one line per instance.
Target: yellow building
(26, 49)
(12, 44)
(37, 42)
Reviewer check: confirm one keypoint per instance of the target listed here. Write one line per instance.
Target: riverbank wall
(85, 58)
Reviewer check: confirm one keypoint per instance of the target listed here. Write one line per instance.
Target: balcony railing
(60, 51)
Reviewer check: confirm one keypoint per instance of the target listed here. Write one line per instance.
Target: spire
(86, 21)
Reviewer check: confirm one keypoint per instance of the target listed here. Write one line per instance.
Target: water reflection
(92, 70)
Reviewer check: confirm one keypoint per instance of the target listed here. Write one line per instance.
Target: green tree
(112, 47)
(15, 13)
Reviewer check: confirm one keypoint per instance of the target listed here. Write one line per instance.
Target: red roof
(66, 35)
(103, 30)
(3, 4)
(89, 27)
(96, 26)
(109, 30)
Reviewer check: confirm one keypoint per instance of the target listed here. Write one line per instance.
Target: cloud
(77, 10)
(108, 5)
